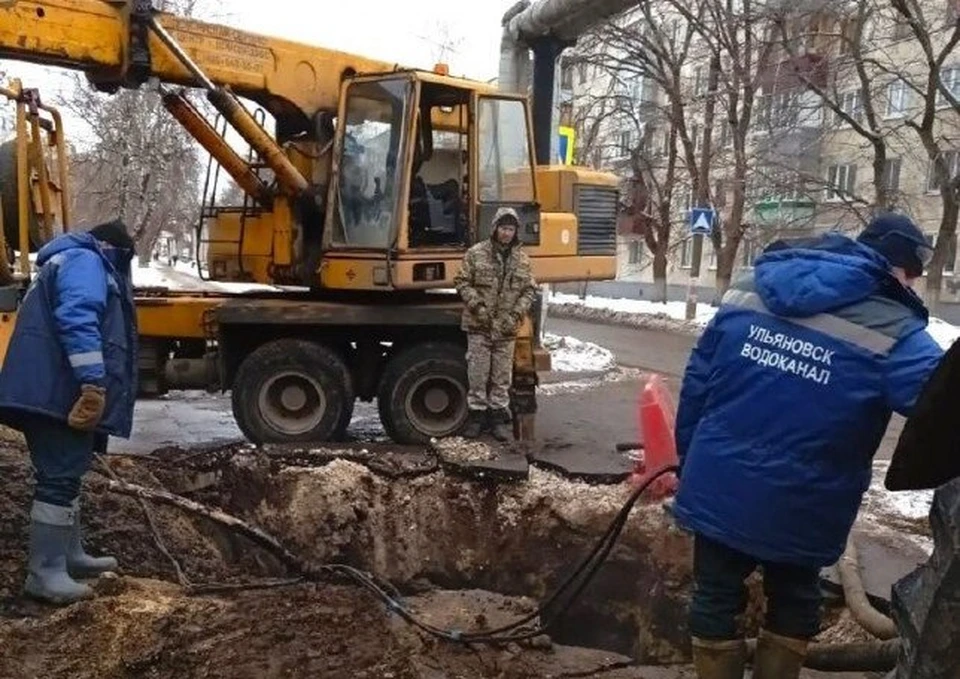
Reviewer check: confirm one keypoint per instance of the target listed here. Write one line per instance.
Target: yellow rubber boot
(719, 659)
(778, 657)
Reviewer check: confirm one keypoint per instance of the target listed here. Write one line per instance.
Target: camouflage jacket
(497, 288)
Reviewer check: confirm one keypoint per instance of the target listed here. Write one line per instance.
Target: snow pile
(184, 276)
(944, 333)
(568, 354)
(908, 504)
(672, 315)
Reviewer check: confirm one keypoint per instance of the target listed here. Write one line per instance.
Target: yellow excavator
(358, 207)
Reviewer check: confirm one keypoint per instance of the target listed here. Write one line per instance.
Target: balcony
(794, 72)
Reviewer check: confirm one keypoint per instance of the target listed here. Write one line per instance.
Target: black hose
(587, 568)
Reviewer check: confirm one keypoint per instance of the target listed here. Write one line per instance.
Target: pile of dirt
(425, 532)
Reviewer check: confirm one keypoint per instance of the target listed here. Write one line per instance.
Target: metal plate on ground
(482, 460)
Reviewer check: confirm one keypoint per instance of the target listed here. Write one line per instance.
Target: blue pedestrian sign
(701, 220)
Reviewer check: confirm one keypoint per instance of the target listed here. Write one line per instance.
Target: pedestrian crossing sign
(701, 220)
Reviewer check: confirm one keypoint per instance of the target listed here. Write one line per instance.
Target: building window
(626, 143)
(582, 72)
(897, 99)
(783, 109)
(665, 143)
(566, 76)
(634, 252)
(695, 137)
(686, 253)
(850, 103)
(935, 176)
(950, 78)
(597, 158)
(891, 175)
(950, 255)
(901, 28)
(698, 85)
(841, 181)
(566, 113)
(763, 111)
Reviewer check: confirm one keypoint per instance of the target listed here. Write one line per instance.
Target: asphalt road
(665, 353)
(662, 352)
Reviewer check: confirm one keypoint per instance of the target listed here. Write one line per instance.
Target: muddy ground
(360, 511)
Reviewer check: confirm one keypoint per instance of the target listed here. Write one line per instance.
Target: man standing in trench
(68, 382)
(497, 287)
(785, 400)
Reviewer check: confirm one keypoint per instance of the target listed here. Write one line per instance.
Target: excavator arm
(119, 44)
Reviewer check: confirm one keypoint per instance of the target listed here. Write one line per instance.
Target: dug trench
(462, 553)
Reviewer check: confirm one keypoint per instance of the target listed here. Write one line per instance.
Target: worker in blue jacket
(785, 400)
(68, 382)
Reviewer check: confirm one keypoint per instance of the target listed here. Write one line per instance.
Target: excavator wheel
(292, 391)
(423, 392)
(10, 199)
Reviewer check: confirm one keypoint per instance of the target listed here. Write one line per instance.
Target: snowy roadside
(184, 277)
(671, 316)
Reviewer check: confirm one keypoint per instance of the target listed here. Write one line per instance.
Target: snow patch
(568, 354)
(183, 276)
(943, 333)
(909, 504)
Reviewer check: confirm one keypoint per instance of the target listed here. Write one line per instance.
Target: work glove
(88, 409)
(509, 323)
(482, 314)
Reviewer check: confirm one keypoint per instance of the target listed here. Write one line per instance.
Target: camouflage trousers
(489, 371)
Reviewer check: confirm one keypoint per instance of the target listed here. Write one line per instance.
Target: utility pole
(702, 197)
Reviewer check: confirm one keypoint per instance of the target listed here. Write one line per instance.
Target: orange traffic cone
(657, 418)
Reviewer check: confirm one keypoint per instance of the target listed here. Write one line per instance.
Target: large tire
(423, 393)
(292, 391)
(11, 201)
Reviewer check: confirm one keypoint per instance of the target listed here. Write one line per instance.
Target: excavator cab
(421, 164)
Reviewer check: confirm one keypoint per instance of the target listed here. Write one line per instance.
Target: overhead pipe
(546, 27)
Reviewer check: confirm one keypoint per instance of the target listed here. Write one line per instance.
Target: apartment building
(810, 169)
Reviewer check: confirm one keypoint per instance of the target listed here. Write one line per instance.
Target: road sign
(565, 150)
(701, 220)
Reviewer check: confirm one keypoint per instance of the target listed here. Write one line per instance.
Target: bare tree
(140, 165)
(641, 111)
(136, 162)
(936, 124)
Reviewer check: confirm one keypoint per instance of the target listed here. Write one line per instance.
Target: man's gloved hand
(509, 323)
(482, 314)
(88, 409)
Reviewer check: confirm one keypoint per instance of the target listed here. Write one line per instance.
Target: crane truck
(358, 208)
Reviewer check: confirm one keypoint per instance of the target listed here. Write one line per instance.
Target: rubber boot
(79, 563)
(51, 530)
(501, 425)
(719, 659)
(778, 657)
(476, 419)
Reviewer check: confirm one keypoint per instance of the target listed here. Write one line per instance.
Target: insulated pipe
(872, 620)
(868, 656)
(546, 27)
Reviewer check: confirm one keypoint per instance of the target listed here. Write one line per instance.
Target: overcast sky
(411, 33)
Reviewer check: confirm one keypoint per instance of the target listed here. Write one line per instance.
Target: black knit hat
(897, 238)
(113, 233)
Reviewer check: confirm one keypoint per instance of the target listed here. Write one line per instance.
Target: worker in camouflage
(497, 287)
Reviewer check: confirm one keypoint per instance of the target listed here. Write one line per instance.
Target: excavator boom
(112, 43)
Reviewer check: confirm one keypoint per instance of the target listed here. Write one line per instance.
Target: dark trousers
(60, 456)
(720, 594)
